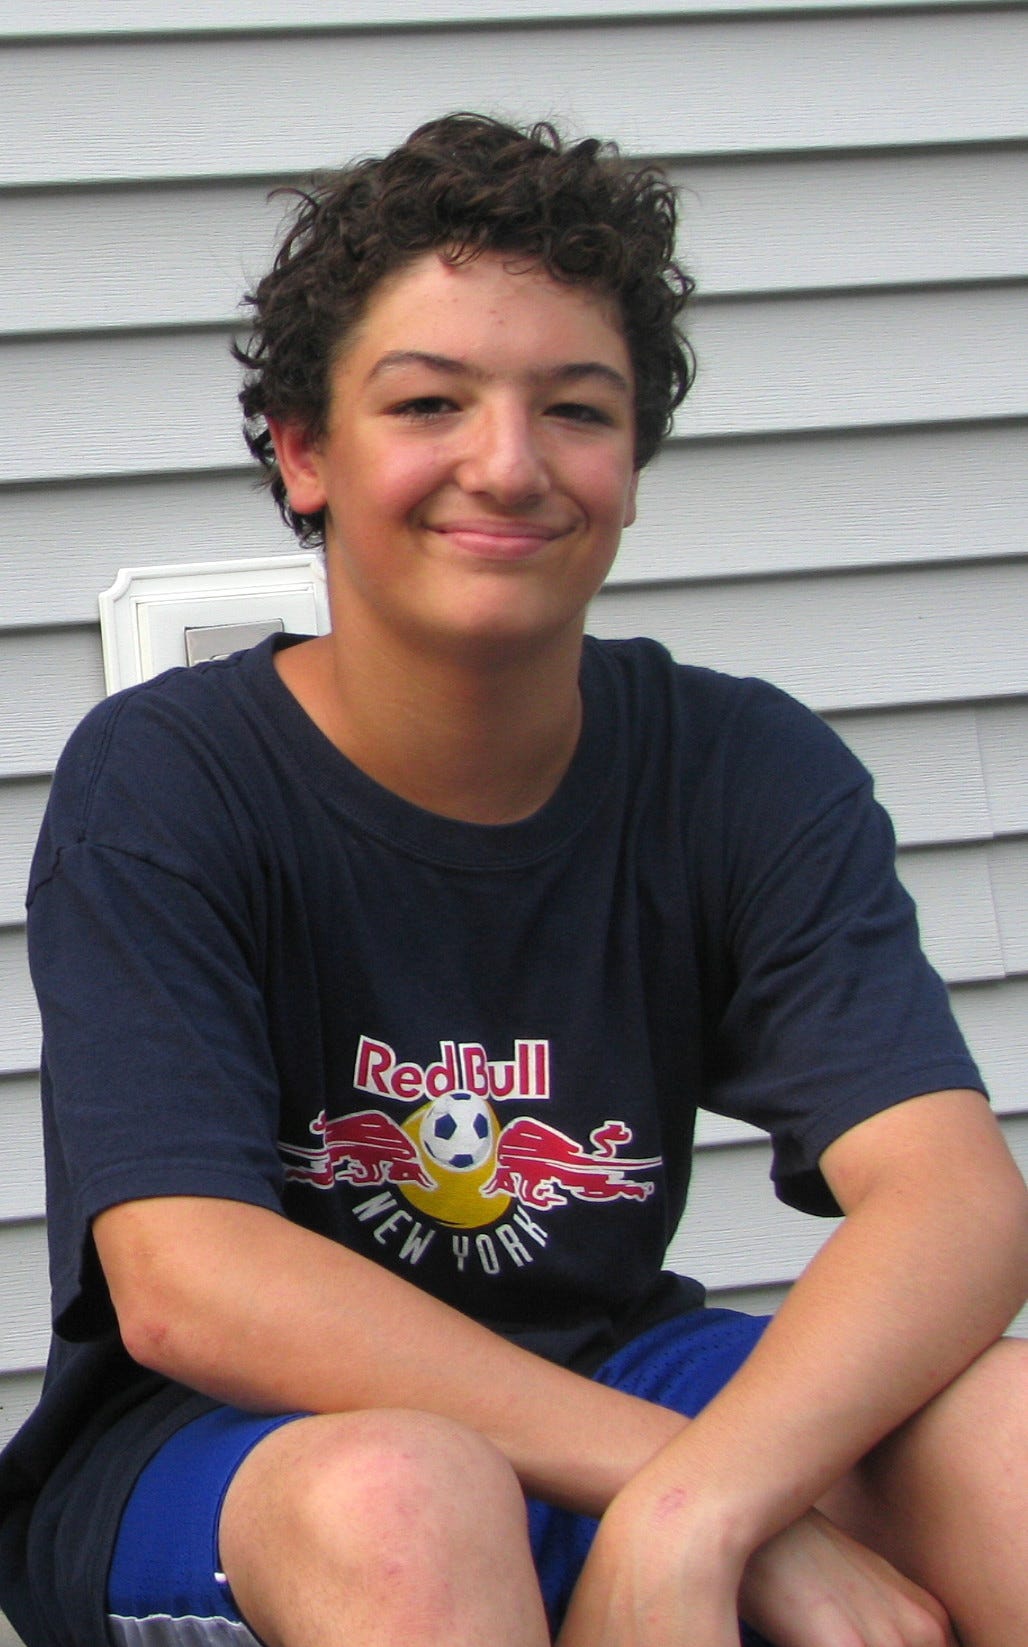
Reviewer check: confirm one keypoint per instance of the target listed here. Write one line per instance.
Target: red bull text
(462, 1066)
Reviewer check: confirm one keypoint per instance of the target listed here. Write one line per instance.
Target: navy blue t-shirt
(472, 1053)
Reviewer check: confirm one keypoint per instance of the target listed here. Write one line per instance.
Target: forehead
(492, 305)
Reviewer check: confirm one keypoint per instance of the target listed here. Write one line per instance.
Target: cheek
(401, 479)
(609, 490)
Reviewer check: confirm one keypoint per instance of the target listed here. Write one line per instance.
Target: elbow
(153, 1331)
(148, 1336)
(1019, 1242)
(1006, 1255)
(154, 1291)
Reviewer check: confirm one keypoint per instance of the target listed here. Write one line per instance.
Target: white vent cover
(155, 617)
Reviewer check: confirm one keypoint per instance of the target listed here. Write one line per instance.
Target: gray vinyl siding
(842, 508)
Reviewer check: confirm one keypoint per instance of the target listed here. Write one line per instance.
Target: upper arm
(831, 1011)
(948, 1142)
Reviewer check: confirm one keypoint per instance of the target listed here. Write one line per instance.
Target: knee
(403, 1473)
(388, 1525)
(399, 1488)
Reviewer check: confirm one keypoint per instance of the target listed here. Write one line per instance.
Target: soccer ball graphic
(457, 1131)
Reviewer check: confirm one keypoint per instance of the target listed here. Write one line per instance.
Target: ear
(299, 462)
(630, 500)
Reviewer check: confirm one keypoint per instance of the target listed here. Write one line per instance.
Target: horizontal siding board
(19, 1393)
(735, 1232)
(822, 221)
(48, 680)
(927, 771)
(20, 1034)
(992, 1018)
(24, 1296)
(1003, 741)
(826, 362)
(65, 543)
(765, 225)
(707, 509)
(185, 108)
(201, 246)
(142, 403)
(957, 912)
(26, 20)
(21, 1149)
(947, 774)
(743, 508)
(120, 404)
(1008, 868)
(21, 808)
(852, 641)
(748, 1300)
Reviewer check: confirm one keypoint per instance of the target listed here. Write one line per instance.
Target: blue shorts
(165, 1568)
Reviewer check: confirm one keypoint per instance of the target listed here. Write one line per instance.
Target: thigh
(945, 1497)
(166, 1565)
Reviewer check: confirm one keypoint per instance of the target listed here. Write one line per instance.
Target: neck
(477, 737)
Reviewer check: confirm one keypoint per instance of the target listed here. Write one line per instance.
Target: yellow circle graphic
(458, 1199)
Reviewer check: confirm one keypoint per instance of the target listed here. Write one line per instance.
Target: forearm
(912, 1286)
(265, 1315)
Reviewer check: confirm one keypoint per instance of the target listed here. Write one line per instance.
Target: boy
(381, 976)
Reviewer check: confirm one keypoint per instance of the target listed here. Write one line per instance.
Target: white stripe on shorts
(161, 1630)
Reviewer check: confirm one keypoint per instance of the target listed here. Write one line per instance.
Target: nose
(504, 459)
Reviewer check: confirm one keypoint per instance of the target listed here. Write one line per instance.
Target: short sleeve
(829, 1010)
(157, 1074)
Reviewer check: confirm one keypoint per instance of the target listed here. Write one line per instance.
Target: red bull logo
(541, 1167)
(448, 1177)
(366, 1148)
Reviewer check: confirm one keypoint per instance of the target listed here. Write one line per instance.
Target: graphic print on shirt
(453, 1159)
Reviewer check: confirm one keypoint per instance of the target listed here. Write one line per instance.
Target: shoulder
(742, 736)
(152, 765)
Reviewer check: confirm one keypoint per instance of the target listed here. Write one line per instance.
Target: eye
(423, 408)
(575, 411)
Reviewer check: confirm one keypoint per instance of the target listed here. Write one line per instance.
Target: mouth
(498, 540)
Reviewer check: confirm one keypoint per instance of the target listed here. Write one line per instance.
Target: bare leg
(945, 1498)
(378, 1528)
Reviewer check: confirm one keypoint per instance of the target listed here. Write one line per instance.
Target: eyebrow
(574, 371)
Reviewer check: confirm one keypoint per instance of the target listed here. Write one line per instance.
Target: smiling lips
(502, 540)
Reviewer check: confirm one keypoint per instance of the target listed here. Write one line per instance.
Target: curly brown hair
(462, 185)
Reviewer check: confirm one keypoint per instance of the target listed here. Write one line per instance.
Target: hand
(812, 1585)
(656, 1579)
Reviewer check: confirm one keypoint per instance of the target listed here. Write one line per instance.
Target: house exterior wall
(841, 508)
